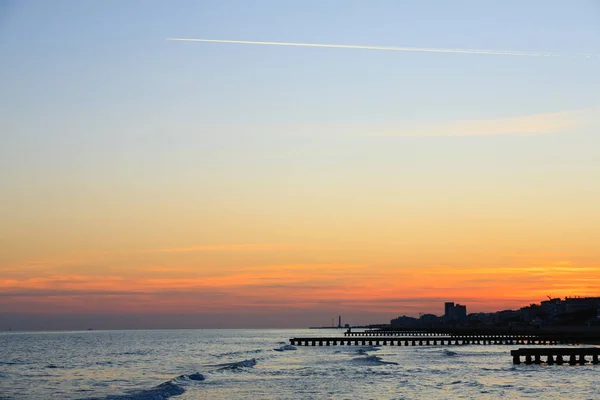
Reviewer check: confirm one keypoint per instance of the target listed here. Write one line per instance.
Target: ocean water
(259, 364)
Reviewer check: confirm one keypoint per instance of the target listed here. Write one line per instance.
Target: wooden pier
(554, 355)
(436, 334)
(429, 340)
(393, 333)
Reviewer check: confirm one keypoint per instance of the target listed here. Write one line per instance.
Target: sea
(260, 364)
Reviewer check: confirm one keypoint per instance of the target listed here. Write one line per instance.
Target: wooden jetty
(556, 355)
(429, 340)
(393, 333)
(474, 334)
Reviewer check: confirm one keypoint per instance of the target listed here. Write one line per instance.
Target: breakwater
(430, 340)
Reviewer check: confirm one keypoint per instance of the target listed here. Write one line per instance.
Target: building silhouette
(455, 312)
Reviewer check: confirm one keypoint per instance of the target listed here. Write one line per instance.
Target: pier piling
(576, 355)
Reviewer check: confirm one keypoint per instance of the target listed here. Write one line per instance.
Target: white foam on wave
(16, 362)
(364, 349)
(239, 353)
(165, 390)
(372, 361)
(286, 347)
(192, 377)
(160, 392)
(237, 366)
(132, 353)
(449, 353)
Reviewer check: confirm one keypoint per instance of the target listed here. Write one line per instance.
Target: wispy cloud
(535, 124)
(221, 247)
(303, 286)
(390, 48)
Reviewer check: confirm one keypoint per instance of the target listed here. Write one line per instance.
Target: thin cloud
(387, 48)
(535, 124)
(223, 247)
(303, 268)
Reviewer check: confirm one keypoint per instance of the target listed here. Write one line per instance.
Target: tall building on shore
(455, 312)
(449, 309)
(460, 312)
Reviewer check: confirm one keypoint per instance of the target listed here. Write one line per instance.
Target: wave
(160, 392)
(493, 369)
(479, 354)
(16, 362)
(370, 348)
(474, 383)
(239, 353)
(372, 361)
(165, 390)
(197, 376)
(364, 350)
(133, 353)
(449, 353)
(505, 386)
(285, 348)
(237, 366)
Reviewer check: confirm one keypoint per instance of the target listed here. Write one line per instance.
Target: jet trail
(384, 48)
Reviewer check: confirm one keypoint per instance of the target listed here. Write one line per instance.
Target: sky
(151, 183)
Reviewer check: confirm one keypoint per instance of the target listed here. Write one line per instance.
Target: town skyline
(420, 319)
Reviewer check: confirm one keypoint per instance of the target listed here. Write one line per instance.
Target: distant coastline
(325, 327)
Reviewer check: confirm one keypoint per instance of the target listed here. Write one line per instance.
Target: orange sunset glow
(350, 276)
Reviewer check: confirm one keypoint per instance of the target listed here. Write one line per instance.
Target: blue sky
(97, 81)
(108, 62)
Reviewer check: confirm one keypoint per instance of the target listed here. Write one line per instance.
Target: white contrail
(417, 49)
